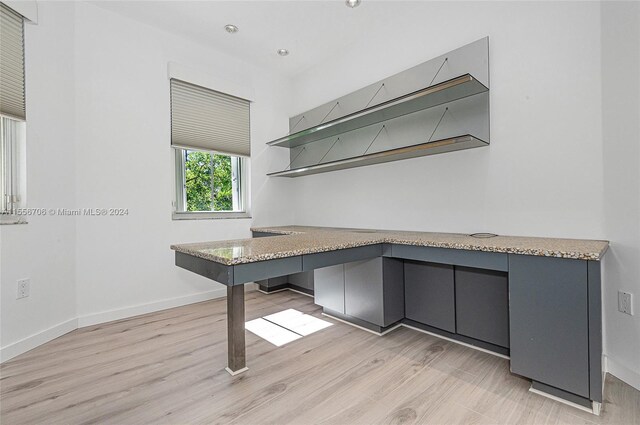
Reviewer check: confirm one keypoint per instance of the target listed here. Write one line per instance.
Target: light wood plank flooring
(168, 368)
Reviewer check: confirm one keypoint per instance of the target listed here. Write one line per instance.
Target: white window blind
(11, 64)
(209, 120)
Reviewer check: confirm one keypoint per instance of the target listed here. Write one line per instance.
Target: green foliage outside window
(203, 194)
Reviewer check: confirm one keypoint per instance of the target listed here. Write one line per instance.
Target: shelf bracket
(330, 111)
(438, 125)
(296, 124)
(384, 126)
(296, 157)
(438, 71)
(374, 96)
(332, 145)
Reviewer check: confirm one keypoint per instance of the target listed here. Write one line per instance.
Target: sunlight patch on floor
(286, 326)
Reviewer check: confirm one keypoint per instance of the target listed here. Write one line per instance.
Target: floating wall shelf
(423, 149)
(429, 97)
(438, 106)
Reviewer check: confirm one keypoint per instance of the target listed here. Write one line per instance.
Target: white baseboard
(136, 310)
(32, 341)
(622, 372)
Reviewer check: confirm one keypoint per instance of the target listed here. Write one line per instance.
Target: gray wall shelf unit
(441, 105)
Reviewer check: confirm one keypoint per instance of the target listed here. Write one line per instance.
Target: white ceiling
(312, 31)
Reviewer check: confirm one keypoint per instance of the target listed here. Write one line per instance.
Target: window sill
(12, 219)
(206, 215)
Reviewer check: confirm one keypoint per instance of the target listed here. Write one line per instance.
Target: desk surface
(299, 240)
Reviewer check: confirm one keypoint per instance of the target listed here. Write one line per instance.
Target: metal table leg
(235, 330)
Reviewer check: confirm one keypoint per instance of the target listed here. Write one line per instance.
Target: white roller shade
(206, 119)
(11, 63)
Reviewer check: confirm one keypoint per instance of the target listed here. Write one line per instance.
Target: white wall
(98, 137)
(44, 250)
(124, 160)
(621, 156)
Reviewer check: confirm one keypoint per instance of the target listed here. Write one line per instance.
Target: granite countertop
(298, 240)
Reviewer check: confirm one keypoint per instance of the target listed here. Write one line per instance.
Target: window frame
(179, 203)
(16, 173)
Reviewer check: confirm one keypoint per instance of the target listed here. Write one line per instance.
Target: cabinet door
(329, 287)
(429, 294)
(482, 305)
(374, 290)
(549, 328)
(364, 290)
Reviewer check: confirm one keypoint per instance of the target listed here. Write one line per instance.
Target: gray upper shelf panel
(444, 92)
(415, 151)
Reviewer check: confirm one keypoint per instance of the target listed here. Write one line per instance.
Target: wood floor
(168, 368)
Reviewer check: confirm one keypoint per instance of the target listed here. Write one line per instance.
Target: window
(210, 182)
(12, 117)
(13, 176)
(210, 137)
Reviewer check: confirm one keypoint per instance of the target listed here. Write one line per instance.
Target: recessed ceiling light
(352, 3)
(283, 52)
(231, 29)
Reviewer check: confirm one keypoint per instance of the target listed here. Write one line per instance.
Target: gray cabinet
(374, 291)
(329, 287)
(482, 305)
(430, 294)
(368, 290)
(549, 322)
(544, 312)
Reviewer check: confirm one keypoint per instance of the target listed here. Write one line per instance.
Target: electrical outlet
(625, 303)
(24, 288)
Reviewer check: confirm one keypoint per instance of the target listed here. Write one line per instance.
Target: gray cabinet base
(359, 322)
(282, 287)
(457, 337)
(548, 389)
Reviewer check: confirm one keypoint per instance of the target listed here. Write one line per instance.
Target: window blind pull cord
(438, 125)
(296, 157)
(384, 126)
(332, 145)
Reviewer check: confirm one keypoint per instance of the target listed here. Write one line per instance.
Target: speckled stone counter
(299, 240)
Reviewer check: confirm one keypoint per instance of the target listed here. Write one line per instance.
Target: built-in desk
(549, 323)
